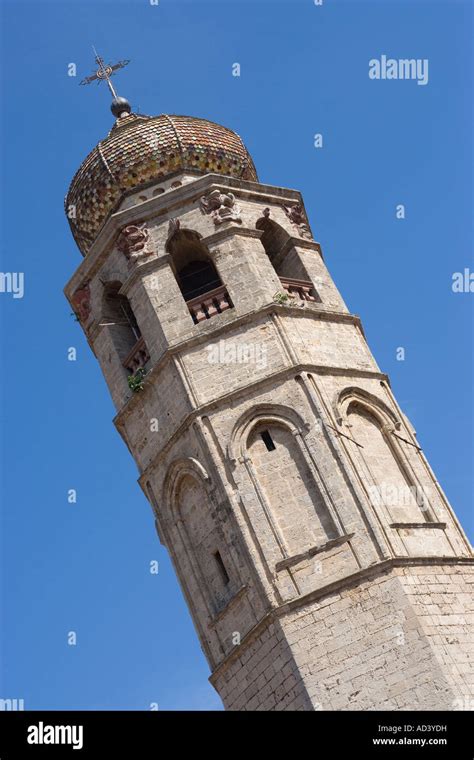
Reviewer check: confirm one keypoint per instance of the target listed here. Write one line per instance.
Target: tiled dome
(141, 149)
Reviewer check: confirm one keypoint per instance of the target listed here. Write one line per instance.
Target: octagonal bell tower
(321, 562)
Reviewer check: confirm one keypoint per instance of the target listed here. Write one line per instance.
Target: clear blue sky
(304, 69)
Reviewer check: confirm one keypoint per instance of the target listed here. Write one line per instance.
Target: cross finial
(103, 74)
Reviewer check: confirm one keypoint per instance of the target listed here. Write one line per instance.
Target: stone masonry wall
(397, 641)
(374, 646)
(264, 676)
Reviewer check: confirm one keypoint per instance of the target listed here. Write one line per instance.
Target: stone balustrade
(302, 289)
(137, 358)
(209, 304)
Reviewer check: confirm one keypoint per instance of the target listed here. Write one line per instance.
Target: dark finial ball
(120, 106)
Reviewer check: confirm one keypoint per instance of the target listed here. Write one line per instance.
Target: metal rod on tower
(103, 74)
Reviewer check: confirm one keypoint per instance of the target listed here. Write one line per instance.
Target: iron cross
(104, 72)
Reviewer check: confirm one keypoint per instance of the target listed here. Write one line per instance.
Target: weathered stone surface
(320, 559)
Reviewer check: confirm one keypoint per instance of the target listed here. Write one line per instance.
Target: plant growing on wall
(282, 298)
(135, 381)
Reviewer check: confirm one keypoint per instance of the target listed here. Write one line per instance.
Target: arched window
(287, 484)
(273, 239)
(118, 316)
(197, 276)
(388, 483)
(286, 261)
(192, 503)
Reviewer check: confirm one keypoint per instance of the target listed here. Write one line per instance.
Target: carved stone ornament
(81, 302)
(297, 216)
(134, 242)
(173, 226)
(221, 206)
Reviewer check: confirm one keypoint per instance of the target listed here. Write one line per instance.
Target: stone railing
(209, 304)
(137, 358)
(301, 289)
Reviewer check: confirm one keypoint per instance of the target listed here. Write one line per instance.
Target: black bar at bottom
(154, 734)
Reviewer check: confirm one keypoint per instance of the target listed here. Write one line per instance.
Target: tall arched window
(286, 261)
(284, 477)
(118, 316)
(273, 239)
(192, 503)
(388, 483)
(197, 276)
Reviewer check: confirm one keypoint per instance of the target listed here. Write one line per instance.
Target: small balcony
(301, 289)
(209, 304)
(137, 358)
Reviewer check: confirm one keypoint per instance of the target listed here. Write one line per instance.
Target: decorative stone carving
(81, 302)
(173, 226)
(134, 242)
(297, 216)
(221, 206)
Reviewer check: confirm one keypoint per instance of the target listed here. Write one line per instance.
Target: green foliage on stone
(282, 298)
(135, 382)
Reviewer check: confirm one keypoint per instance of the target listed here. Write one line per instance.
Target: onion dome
(138, 151)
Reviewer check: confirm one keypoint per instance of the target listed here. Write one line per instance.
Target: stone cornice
(366, 573)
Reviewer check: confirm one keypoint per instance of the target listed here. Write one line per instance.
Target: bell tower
(321, 562)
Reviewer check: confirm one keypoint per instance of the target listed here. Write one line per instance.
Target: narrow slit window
(223, 572)
(268, 440)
